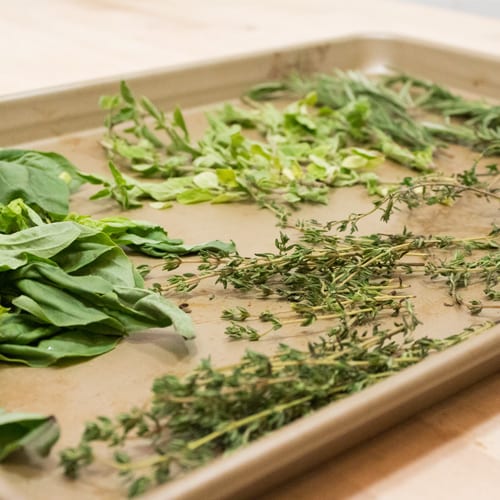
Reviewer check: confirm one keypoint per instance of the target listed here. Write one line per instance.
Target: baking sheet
(64, 120)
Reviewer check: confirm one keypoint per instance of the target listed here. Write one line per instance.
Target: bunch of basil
(67, 289)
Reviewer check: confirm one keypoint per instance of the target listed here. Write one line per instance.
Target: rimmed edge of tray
(61, 110)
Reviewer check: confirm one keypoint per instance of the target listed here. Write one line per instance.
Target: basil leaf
(151, 239)
(35, 186)
(44, 241)
(35, 434)
(69, 291)
(52, 163)
(43, 180)
(74, 345)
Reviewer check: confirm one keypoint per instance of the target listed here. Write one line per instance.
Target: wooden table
(449, 451)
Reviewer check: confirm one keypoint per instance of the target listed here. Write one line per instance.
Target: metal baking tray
(68, 121)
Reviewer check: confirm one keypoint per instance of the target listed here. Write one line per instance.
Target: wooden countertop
(449, 451)
(54, 42)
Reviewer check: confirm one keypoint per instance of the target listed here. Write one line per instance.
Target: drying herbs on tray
(216, 410)
(353, 289)
(326, 277)
(334, 131)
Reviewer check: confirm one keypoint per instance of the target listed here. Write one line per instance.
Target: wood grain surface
(449, 451)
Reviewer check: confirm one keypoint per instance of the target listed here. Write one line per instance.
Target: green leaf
(354, 161)
(53, 306)
(33, 433)
(121, 116)
(206, 180)
(43, 241)
(17, 216)
(151, 109)
(167, 190)
(227, 177)
(73, 345)
(180, 122)
(268, 90)
(53, 164)
(133, 151)
(19, 329)
(229, 197)
(125, 190)
(192, 196)
(108, 102)
(126, 93)
(149, 239)
(35, 185)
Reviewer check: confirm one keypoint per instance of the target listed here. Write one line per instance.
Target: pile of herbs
(352, 288)
(68, 290)
(333, 131)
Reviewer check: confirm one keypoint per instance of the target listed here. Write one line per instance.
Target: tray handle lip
(364, 37)
(430, 375)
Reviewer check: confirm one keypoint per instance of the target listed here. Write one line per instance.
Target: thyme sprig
(212, 411)
(328, 277)
(431, 189)
(352, 287)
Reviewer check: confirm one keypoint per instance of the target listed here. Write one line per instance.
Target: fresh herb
(342, 127)
(42, 180)
(355, 279)
(372, 114)
(33, 434)
(431, 189)
(149, 239)
(482, 120)
(212, 411)
(301, 153)
(393, 104)
(68, 291)
(351, 280)
(352, 288)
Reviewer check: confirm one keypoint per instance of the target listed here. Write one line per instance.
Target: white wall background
(482, 7)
